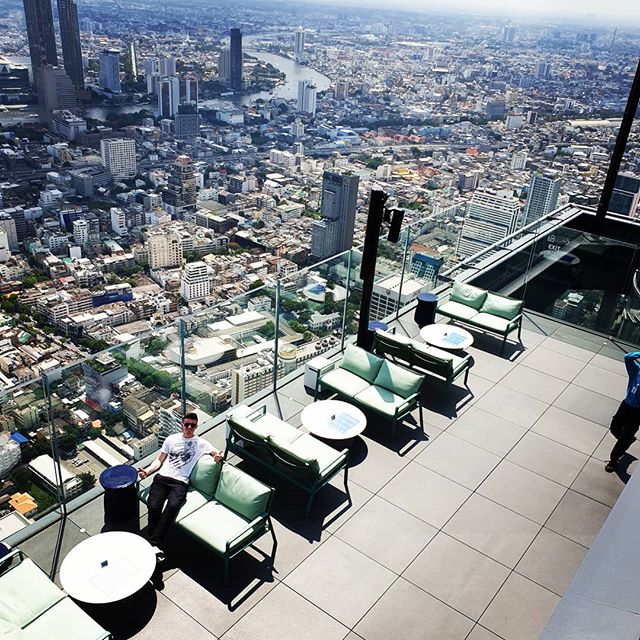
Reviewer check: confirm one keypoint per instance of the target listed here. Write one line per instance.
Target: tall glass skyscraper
(42, 41)
(70, 36)
(235, 59)
(543, 197)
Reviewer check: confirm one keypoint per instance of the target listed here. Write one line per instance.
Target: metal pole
(346, 299)
(183, 374)
(618, 151)
(369, 258)
(404, 262)
(277, 339)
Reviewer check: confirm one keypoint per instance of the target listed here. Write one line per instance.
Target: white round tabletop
(107, 567)
(446, 336)
(333, 420)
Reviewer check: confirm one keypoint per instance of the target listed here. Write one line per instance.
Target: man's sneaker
(610, 467)
(159, 554)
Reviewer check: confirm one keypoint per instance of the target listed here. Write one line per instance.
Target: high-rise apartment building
(179, 198)
(55, 93)
(187, 122)
(110, 70)
(195, 284)
(132, 60)
(543, 70)
(298, 44)
(151, 73)
(168, 96)
(235, 59)
(167, 66)
(307, 92)
(80, 231)
(626, 195)
(224, 65)
(491, 216)
(164, 249)
(119, 157)
(509, 34)
(70, 37)
(342, 89)
(519, 160)
(333, 234)
(543, 197)
(42, 42)
(188, 90)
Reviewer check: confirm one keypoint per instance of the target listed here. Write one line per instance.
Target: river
(288, 90)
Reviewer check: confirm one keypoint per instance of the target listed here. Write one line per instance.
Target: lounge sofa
(485, 310)
(225, 509)
(302, 459)
(418, 355)
(34, 608)
(374, 384)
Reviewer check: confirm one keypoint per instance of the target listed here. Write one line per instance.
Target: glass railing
(118, 406)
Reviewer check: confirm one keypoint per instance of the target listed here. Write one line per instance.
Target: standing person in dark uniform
(176, 460)
(625, 424)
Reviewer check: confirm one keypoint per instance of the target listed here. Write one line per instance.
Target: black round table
(120, 498)
(426, 309)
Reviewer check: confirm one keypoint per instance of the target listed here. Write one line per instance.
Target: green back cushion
(506, 308)
(298, 456)
(398, 380)
(361, 363)
(205, 474)
(466, 294)
(247, 429)
(423, 357)
(240, 492)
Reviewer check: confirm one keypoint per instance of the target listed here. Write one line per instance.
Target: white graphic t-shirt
(182, 455)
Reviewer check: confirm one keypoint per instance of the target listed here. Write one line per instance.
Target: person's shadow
(622, 468)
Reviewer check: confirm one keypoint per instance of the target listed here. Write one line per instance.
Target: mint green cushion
(215, 525)
(276, 427)
(193, 501)
(344, 382)
(242, 493)
(301, 456)
(10, 631)
(500, 306)
(361, 362)
(398, 380)
(467, 294)
(65, 621)
(457, 310)
(245, 428)
(380, 400)
(491, 322)
(204, 476)
(26, 593)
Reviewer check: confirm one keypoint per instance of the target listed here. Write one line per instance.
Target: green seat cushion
(380, 400)
(364, 364)
(26, 593)
(344, 382)
(301, 457)
(204, 476)
(398, 380)
(246, 428)
(143, 491)
(65, 621)
(215, 525)
(432, 359)
(457, 362)
(193, 500)
(500, 306)
(457, 310)
(242, 493)
(467, 294)
(491, 322)
(394, 338)
(279, 428)
(313, 449)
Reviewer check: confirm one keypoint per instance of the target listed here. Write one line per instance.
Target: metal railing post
(346, 300)
(183, 373)
(277, 338)
(404, 262)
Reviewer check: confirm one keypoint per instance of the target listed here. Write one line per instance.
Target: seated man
(176, 460)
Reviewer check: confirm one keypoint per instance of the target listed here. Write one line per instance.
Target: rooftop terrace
(473, 531)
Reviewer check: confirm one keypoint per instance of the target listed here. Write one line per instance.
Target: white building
(9, 454)
(195, 283)
(119, 157)
(387, 295)
(307, 93)
(43, 468)
(519, 160)
(164, 249)
(298, 44)
(543, 197)
(118, 221)
(81, 231)
(491, 217)
(110, 70)
(224, 65)
(5, 251)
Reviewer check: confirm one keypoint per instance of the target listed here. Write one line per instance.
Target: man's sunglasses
(190, 424)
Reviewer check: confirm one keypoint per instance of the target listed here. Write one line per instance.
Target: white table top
(333, 420)
(130, 560)
(446, 336)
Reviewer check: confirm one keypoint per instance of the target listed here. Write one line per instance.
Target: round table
(107, 567)
(445, 336)
(333, 420)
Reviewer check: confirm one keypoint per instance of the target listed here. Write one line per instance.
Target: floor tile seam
(315, 548)
(566, 355)
(598, 392)
(477, 624)
(456, 481)
(215, 637)
(604, 426)
(534, 397)
(523, 575)
(511, 421)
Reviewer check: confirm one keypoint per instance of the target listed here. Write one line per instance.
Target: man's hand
(217, 455)
(142, 473)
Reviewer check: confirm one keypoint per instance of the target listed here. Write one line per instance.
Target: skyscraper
(543, 197)
(167, 66)
(119, 157)
(235, 59)
(55, 92)
(195, 283)
(168, 97)
(151, 73)
(491, 216)
(224, 65)
(298, 45)
(508, 34)
(307, 93)
(70, 36)
(187, 121)
(42, 41)
(110, 70)
(334, 233)
(132, 61)
(180, 196)
(625, 195)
